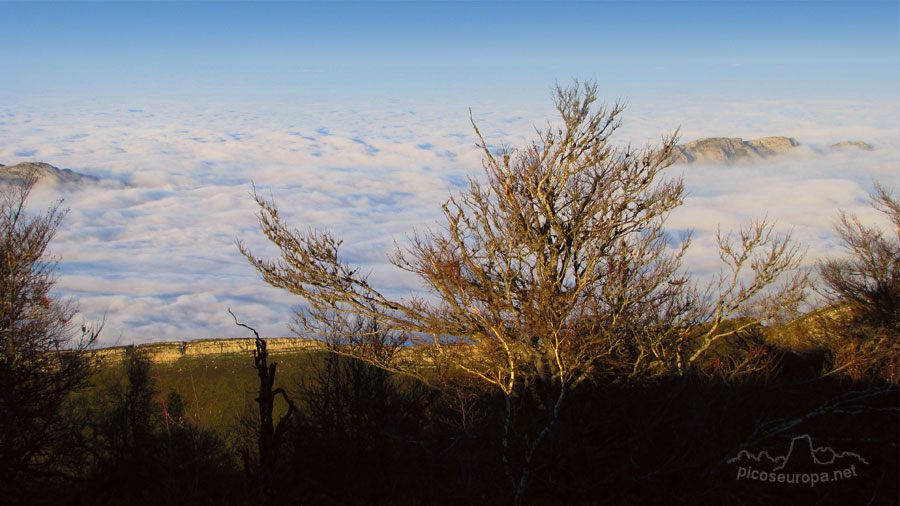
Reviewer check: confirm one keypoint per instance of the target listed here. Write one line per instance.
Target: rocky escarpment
(844, 145)
(162, 353)
(45, 172)
(725, 149)
(736, 149)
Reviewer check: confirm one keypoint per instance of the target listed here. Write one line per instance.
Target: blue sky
(824, 49)
(355, 116)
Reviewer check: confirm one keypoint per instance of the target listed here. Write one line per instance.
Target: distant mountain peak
(730, 149)
(46, 173)
(735, 149)
(843, 145)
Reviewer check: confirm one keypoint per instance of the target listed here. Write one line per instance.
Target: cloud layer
(152, 248)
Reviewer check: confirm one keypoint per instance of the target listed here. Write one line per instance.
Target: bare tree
(271, 434)
(41, 360)
(734, 303)
(553, 270)
(863, 322)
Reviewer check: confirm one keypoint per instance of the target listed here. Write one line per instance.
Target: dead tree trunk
(270, 435)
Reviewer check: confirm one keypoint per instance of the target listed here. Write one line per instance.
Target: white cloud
(155, 253)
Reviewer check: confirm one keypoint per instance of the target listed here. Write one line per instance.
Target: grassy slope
(217, 389)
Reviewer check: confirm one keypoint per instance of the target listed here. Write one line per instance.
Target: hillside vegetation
(405, 443)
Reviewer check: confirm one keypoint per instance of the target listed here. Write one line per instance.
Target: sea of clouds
(151, 249)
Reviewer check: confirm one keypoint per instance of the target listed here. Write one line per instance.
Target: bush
(862, 324)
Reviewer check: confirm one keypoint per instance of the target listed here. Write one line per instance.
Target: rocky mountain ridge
(735, 149)
(168, 352)
(46, 173)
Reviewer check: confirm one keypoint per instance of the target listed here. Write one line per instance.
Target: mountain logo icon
(804, 463)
